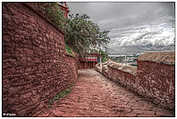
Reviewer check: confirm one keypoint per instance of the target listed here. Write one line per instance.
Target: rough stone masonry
(153, 79)
(34, 65)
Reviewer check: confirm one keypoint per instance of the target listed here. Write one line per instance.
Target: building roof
(159, 57)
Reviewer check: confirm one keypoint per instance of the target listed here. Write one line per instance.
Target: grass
(59, 96)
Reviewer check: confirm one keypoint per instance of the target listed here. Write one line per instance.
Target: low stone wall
(35, 65)
(154, 81)
(157, 81)
(122, 74)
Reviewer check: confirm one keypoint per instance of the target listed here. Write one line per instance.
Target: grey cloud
(115, 14)
(127, 19)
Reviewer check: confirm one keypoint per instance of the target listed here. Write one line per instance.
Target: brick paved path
(94, 95)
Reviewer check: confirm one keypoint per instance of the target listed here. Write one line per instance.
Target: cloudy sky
(132, 24)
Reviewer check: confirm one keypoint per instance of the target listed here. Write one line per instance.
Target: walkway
(94, 95)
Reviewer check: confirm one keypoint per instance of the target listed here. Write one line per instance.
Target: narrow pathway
(94, 95)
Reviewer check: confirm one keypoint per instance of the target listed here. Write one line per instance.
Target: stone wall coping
(122, 67)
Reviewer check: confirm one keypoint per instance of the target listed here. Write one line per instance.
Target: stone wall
(158, 82)
(154, 81)
(34, 60)
(126, 79)
(73, 62)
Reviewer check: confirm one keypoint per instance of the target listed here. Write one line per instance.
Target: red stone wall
(73, 62)
(124, 78)
(34, 62)
(157, 81)
(154, 81)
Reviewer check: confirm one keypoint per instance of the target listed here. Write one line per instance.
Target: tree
(83, 35)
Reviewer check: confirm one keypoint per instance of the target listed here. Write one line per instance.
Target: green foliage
(104, 56)
(69, 50)
(55, 15)
(59, 95)
(104, 59)
(83, 35)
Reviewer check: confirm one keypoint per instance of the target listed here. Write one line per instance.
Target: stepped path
(94, 95)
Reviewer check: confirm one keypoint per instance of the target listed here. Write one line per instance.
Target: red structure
(32, 76)
(153, 79)
(88, 61)
(64, 8)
